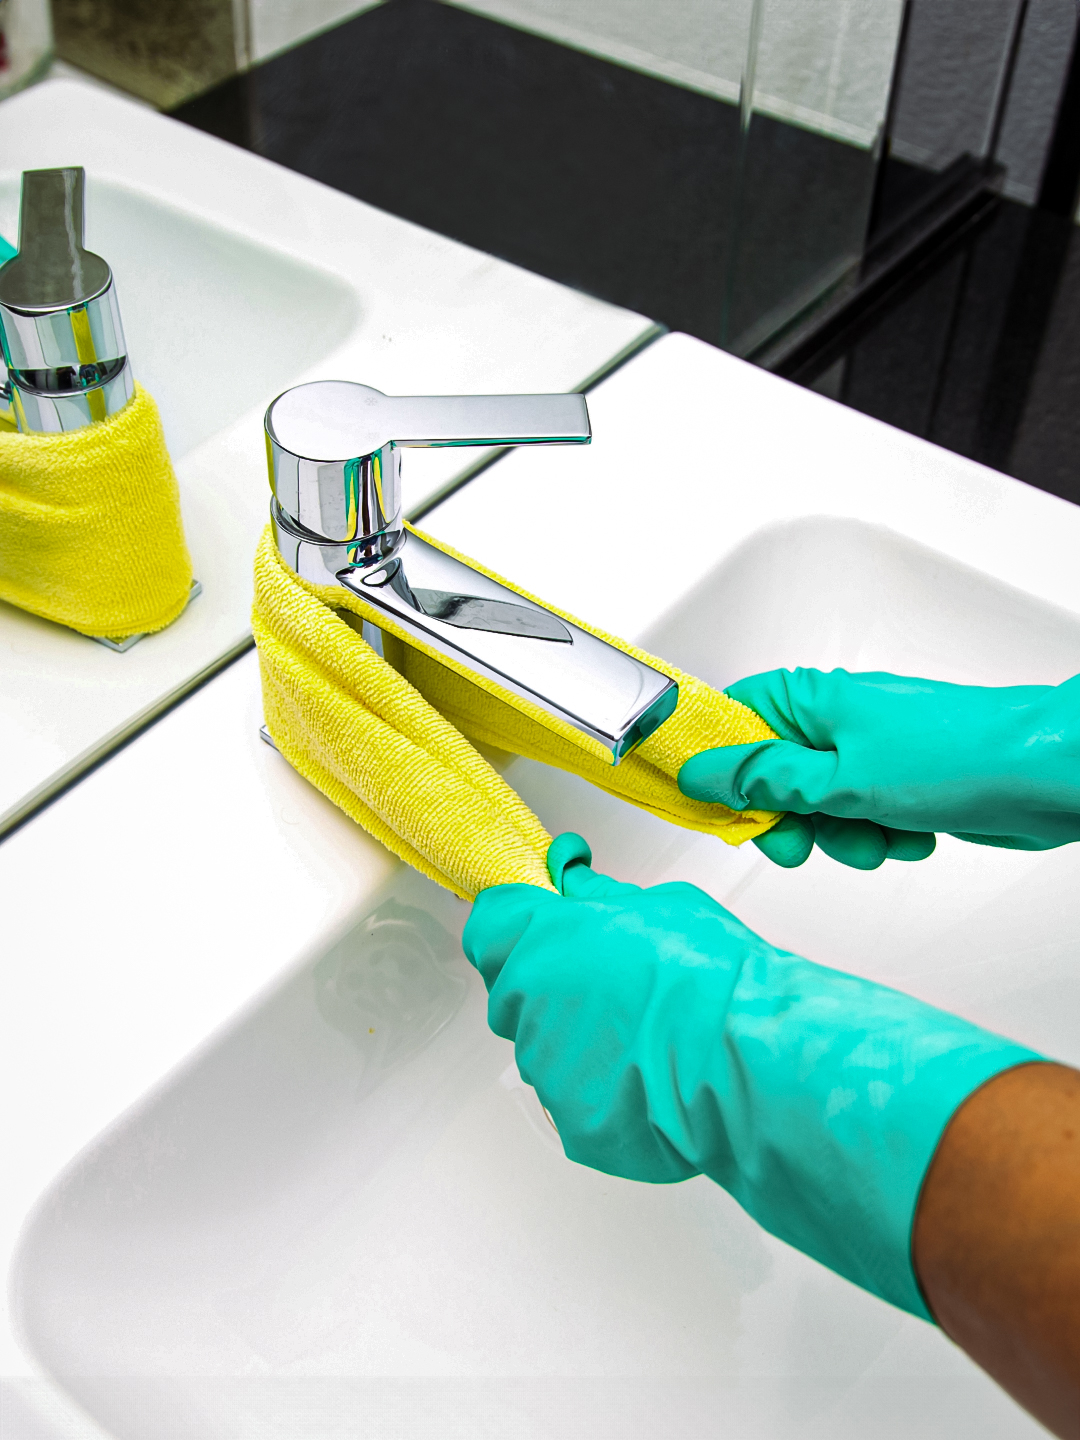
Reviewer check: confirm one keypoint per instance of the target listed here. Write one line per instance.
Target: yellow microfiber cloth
(386, 739)
(90, 530)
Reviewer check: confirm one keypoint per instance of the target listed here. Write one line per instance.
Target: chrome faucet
(334, 451)
(60, 330)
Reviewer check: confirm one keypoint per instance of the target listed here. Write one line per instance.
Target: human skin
(996, 1241)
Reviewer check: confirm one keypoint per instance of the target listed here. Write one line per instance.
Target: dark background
(627, 187)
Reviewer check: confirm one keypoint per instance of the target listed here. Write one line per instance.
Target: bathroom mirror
(214, 323)
(235, 280)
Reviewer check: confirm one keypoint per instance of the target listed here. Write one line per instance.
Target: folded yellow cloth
(90, 530)
(387, 741)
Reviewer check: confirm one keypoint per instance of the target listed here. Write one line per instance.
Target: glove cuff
(851, 1088)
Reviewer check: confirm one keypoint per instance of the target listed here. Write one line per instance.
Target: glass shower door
(793, 145)
(814, 96)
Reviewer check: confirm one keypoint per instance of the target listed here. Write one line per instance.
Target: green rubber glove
(667, 1040)
(870, 765)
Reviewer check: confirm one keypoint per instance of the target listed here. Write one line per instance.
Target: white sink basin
(237, 279)
(306, 1191)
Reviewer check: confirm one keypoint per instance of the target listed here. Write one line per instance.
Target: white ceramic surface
(237, 279)
(271, 1173)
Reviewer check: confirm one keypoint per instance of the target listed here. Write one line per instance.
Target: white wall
(279, 24)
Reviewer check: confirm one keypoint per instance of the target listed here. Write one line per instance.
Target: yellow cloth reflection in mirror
(90, 528)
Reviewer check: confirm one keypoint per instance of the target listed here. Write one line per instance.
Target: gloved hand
(667, 1040)
(871, 764)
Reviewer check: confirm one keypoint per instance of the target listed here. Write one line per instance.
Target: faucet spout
(333, 453)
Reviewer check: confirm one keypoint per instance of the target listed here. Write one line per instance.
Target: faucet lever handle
(52, 269)
(60, 329)
(333, 448)
(419, 422)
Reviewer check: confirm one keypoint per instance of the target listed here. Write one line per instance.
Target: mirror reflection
(232, 281)
(714, 167)
(90, 532)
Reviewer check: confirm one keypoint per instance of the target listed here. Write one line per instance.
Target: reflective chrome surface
(336, 515)
(500, 617)
(319, 560)
(332, 446)
(60, 328)
(600, 690)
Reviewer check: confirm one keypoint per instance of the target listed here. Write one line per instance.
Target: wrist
(997, 1245)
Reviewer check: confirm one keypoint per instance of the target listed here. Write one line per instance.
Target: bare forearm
(996, 1242)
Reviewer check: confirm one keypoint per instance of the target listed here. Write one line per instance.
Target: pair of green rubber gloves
(667, 1040)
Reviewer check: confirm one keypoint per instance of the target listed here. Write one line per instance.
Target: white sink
(237, 279)
(274, 1173)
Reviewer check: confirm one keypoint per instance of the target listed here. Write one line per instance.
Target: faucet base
(122, 646)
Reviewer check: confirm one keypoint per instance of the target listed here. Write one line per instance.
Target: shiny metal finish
(500, 617)
(60, 328)
(332, 451)
(600, 690)
(319, 560)
(332, 446)
(43, 412)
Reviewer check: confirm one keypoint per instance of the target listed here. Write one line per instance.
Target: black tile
(983, 357)
(1046, 444)
(895, 373)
